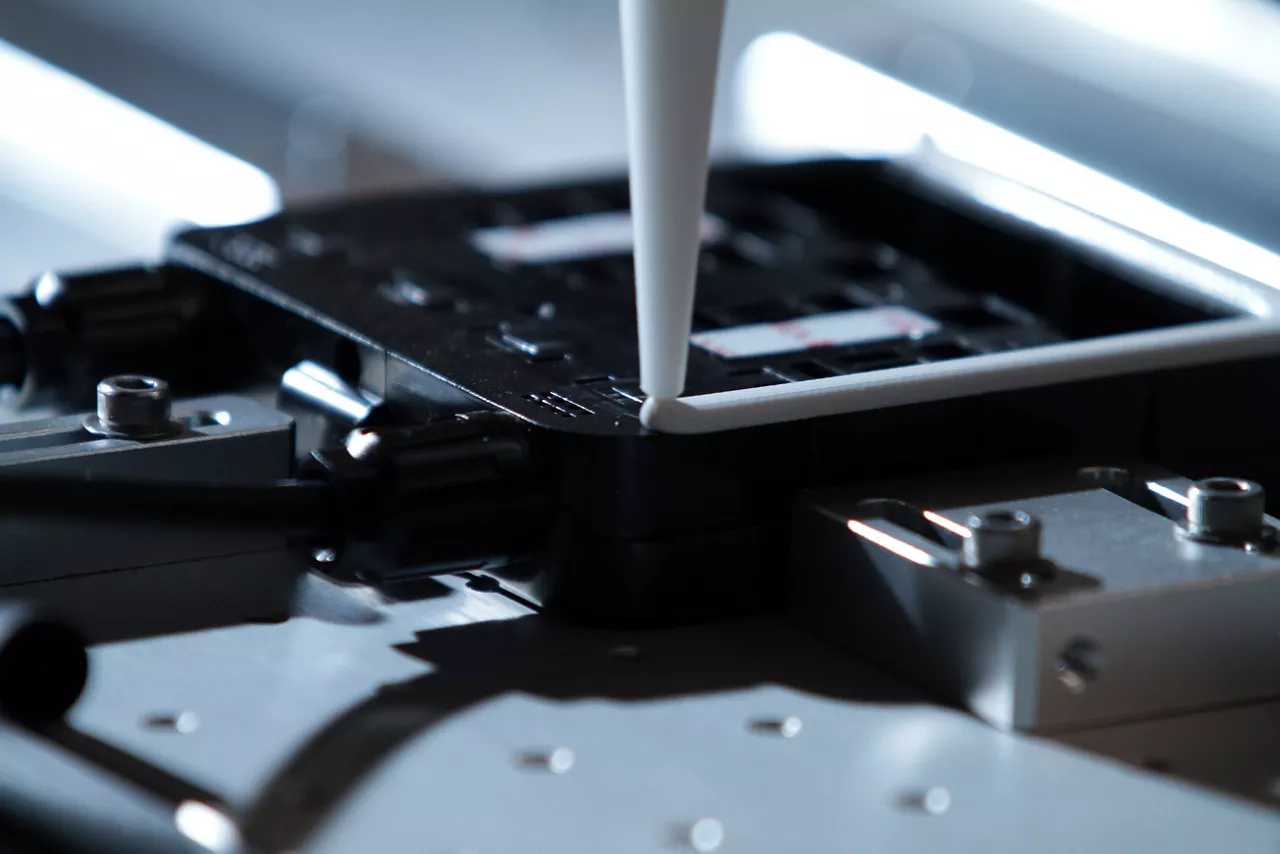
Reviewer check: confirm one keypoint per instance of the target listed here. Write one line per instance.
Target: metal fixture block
(1145, 594)
(223, 439)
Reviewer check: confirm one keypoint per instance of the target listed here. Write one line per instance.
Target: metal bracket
(146, 578)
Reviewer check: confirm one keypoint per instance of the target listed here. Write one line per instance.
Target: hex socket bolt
(134, 407)
(1001, 537)
(1225, 507)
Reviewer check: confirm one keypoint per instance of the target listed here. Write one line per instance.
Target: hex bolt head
(1225, 508)
(1001, 537)
(131, 406)
(133, 401)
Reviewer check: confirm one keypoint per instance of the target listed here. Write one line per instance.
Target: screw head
(132, 406)
(1225, 508)
(1001, 537)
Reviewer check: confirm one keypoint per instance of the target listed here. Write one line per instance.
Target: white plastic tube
(669, 52)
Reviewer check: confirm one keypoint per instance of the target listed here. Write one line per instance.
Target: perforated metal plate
(506, 733)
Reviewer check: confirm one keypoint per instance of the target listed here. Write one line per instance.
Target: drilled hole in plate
(1079, 664)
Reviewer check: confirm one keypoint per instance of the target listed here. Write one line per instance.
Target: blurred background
(321, 98)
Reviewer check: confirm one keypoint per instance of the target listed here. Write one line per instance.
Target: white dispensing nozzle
(669, 52)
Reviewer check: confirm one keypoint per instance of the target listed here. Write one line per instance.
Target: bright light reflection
(796, 97)
(943, 522)
(65, 124)
(890, 543)
(1072, 222)
(1165, 492)
(207, 827)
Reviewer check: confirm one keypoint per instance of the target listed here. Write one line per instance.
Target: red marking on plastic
(792, 329)
(902, 323)
(520, 234)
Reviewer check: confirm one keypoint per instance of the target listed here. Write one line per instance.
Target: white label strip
(571, 238)
(837, 329)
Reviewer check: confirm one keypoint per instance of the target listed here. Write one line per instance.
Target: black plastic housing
(71, 330)
(654, 528)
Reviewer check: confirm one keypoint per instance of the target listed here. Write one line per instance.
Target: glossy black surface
(555, 342)
(655, 528)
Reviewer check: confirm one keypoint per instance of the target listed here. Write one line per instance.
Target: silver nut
(1001, 537)
(1225, 507)
(132, 406)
